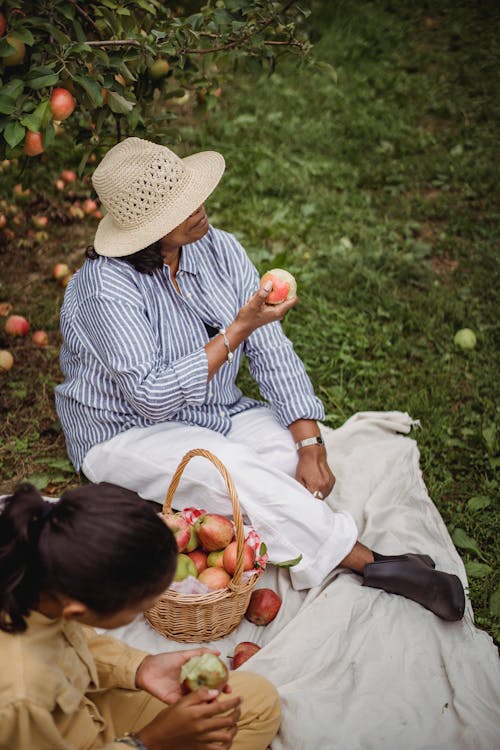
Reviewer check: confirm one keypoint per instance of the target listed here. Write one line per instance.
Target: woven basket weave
(194, 618)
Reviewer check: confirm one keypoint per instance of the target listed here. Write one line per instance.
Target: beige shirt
(47, 676)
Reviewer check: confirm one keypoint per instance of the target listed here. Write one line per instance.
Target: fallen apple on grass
(16, 325)
(206, 670)
(6, 360)
(465, 338)
(263, 606)
(40, 338)
(214, 531)
(60, 270)
(283, 283)
(242, 652)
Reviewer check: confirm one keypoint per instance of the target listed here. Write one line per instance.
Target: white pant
(260, 457)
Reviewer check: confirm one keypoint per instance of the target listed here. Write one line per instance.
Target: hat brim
(205, 169)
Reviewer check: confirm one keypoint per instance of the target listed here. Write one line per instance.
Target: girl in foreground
(97, 559)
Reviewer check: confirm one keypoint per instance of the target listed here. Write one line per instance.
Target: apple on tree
(284, 286)
(62, 104)
(33, 143)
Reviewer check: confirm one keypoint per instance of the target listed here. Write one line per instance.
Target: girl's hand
(198, 721)
(159, 674)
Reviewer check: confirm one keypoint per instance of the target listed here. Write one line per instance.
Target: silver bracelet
(230, 354)
(317, 440)
(131, 740)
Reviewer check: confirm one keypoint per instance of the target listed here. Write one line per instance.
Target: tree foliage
(129, 64)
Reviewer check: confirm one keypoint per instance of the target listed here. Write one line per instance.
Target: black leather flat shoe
(412, 577)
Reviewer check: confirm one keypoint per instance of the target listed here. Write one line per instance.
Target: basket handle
(231, 489)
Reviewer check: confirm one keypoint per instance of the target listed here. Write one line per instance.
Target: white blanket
(357, 668)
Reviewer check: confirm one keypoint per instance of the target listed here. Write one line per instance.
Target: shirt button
(222, 413)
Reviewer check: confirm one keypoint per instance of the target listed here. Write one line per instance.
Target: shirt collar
(189, 255)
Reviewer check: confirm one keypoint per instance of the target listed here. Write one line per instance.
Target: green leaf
(25, 35)
(7, 105)
(14, 134)
(464, 541)
(13, 88)
(92, 88)
(495, 603)
(489, 437)
(57, 463)
(478, 502)
(43, 81)
(477, 570)
(40, 481)
(39, 118)
(289, 563)
(118, 104)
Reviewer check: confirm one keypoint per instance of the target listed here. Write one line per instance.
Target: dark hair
(146, 260)
(100, 544)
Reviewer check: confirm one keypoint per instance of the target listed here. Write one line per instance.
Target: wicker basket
(194, 618)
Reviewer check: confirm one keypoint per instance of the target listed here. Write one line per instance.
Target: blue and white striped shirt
(133, 348)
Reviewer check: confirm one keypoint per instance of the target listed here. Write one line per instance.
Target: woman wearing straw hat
(155, 325)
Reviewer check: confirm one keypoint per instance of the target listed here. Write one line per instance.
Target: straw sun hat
(147, 191)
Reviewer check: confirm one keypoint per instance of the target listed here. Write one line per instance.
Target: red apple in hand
(179, 528)
(214, 531)
(229, 557)
(284, 286)
(206, 670)
(242, 652)
(263, 606)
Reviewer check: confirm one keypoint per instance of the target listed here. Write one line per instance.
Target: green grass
(373, 177)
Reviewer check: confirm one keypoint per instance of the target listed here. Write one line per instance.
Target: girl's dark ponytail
(20, 527)
(100, 544)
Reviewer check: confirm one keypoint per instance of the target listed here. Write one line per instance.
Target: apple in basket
(263, 606)
(199, 558)
(185, 568)
(206, 670)
(242, 652)
(214, 559)
(229, 557)
(214, 531)
(215, 578)
(284, 285)
(179, 528)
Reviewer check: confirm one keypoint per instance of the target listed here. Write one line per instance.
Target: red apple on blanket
(185, 568)
(214, 531)
(199, 558)
(229, 557)
(284, 285)
(215, 559)
(215, 578)
(179, 528)
(263, 606)
(242, 652)
(206, 670)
